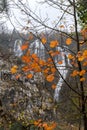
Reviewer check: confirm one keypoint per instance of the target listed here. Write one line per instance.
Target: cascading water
(17, 48)
(62, 68)
(38, 48)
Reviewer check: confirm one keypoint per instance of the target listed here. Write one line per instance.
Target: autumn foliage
(33, 63)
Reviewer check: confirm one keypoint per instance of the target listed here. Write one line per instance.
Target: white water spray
(62, 68)
(17, 48)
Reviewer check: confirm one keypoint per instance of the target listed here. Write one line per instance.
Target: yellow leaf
(85, 54)
(70, 56)
(14, 69)
(53, 43)
(15, 66)
(80, 58)
(84, 32)
(43, 40)
(50, 77)
(68, 41)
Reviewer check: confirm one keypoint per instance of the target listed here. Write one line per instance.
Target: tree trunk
(85, 122)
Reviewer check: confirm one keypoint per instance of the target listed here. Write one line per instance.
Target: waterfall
(62, 68)
(17, 48)
(38, 48)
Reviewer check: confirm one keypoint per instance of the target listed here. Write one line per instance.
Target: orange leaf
(30, 36)
(49, 127)
(82, 72)
(60, 62)
(82, 79)
(85, 54)
(80, 58)
(70, 56)
(54, 86)
(26, 59)
(38, 69)
(24, 46)
(29, 76)
(42, 62)
(46, 70)
(50, 77)
(49, 60)
(53, 70)
(75, 73)
(85, 63)
(68, 41)
(18, 76)
(26, 68)
(34, 56)
(36, 123)
(53, 43)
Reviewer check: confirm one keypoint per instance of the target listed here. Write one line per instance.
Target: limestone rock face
(25, 100)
